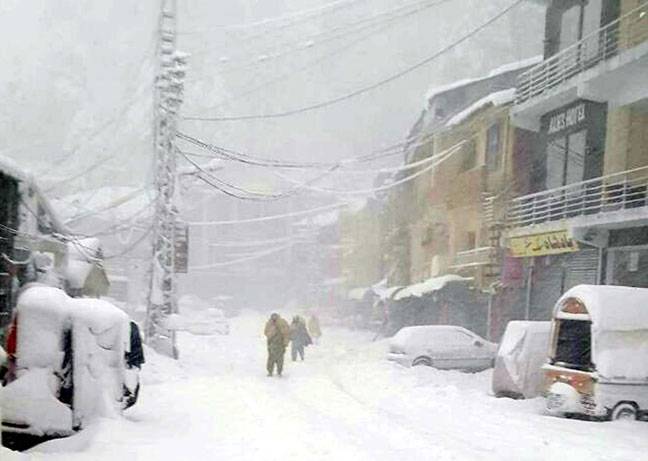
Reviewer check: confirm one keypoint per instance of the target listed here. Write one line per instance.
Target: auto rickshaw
(598, 358)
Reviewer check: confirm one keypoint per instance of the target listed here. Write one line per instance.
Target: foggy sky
(76, 79)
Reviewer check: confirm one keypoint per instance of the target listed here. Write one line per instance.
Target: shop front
(551, 263)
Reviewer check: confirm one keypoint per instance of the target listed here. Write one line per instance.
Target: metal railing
(625, 32)
(615, 192)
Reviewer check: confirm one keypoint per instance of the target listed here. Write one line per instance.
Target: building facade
(583, 217)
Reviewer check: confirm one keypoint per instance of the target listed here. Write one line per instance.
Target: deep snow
(345, 402)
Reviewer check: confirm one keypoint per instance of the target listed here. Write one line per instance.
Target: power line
(312, 63)
(336, 33)
(244, 259)
(264, 22)
(270, 217)
(365, 89)
(234, 155)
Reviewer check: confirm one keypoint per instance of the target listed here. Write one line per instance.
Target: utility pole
(169, 85)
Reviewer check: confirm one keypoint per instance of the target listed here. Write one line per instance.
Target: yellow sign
(547, 243)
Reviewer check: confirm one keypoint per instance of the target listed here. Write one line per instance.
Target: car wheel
(422, 361)
(624, 411)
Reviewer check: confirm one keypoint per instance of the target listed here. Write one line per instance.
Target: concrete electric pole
(169, 87)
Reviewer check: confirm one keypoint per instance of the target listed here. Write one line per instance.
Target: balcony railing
(476, 257)
(626, 32)
(615, 192)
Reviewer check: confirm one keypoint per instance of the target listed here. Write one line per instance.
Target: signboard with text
(181, 257)
(546, 243)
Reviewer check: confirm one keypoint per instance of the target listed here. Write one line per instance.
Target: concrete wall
(627, 139)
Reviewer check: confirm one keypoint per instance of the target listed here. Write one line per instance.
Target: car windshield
(574, 344)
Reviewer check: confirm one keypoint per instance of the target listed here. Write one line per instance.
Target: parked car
(69, 360)
(519, 360)
(598, 359)
(441, 346)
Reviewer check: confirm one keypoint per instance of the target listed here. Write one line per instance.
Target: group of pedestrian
(279, 334)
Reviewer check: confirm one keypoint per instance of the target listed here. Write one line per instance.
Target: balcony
(473, 258)
(616, 200)
(607, 65)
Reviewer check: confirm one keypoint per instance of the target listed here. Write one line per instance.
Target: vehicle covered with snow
(519, 360)
(69, 360)
(598, 359)
(443, 347)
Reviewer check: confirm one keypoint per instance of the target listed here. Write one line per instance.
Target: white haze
(76, 79)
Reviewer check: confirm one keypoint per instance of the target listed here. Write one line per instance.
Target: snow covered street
(345, 402)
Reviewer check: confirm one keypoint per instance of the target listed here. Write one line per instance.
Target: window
(570, 26)
(469, 159)
(573, 345)
(493, 147)
(578, 22)
(471, 240)
(566, 160)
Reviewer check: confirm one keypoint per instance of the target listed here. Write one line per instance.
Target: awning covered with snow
(358, 294)
(428, 286)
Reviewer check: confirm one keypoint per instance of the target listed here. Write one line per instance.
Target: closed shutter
(581, 268)
(548, 278)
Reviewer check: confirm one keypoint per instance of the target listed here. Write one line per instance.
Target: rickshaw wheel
(624, 411)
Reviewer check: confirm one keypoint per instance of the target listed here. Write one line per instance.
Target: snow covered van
(598, 357)
(70, 359)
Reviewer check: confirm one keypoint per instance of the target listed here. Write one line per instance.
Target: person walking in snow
(300, 337)
(277, 332)
(314, 328)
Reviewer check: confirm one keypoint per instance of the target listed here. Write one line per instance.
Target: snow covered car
(598, 359)
(441, 346)
(70, 360)
(521, 354)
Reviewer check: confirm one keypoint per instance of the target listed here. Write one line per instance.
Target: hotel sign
(567, 118)
(547, 243)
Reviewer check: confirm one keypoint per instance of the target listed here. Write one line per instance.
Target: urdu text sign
(547, 243)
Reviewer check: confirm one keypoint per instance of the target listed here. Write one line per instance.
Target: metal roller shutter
(581, 268)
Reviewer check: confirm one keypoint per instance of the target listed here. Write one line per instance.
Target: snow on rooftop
(498, 98)
(510, 67)
(11, 168)
(428, 286)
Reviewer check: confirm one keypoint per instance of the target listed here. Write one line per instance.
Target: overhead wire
(367, 88)
(243, 259)
(307, 42)
(312, 63)
(275, 217)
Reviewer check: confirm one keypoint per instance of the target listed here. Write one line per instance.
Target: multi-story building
(583, 217)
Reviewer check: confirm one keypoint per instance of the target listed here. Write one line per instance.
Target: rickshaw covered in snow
(598, 357)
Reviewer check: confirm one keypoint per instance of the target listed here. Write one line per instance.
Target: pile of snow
(100, 335)
(82, 256)
(31, 400)
(198, 317)
(429, 286)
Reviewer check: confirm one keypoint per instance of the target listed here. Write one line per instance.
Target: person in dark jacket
(299, 337)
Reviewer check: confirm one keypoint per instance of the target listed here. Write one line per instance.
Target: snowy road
(344, 403)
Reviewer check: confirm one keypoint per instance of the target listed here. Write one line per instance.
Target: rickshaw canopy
(610, 308)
